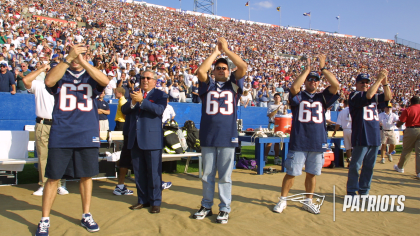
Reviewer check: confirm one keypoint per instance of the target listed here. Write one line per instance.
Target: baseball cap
(362, 76)
(221, 60)
(389, 104)
(263, 85)
(3, 64)
(110, 73)
(313, 74)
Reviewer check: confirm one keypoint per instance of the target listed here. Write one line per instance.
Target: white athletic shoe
(39, 192)
(222, 217)
(389, 157)
(398, 169)
(280, 206)
(277, 161)
(62, 191)
(309, 206)
(383, 161)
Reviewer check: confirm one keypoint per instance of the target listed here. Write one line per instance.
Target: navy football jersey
(309, 131)
(365, 119)
(218, 112)
(75, 114)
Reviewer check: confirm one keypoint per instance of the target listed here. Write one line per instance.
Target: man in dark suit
(145, 139)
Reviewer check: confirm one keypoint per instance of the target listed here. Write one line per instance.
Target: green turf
(30, 174)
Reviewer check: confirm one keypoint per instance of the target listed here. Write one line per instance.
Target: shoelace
(43, 227)
(90, 220)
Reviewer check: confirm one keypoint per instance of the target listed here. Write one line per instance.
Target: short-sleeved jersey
(365, 119)
(75, 114)
(309, 131)
(218, 112)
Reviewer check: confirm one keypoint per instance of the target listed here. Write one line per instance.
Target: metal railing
(407, 43)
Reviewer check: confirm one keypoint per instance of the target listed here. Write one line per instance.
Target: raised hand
(321, 58)
(75, 51)
(222, 44)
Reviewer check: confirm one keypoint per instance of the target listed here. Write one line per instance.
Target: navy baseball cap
(221, 60)
(362, 76)
(313, 74)
(3, 64)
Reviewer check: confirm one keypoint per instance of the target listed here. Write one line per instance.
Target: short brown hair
(120, 90)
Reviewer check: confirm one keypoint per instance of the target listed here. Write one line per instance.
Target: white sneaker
(62, 191)
(280, 206)
(389, 157)
(39, 192)
(398, 169)
(383, 161)
(309, 206)
(277, 161)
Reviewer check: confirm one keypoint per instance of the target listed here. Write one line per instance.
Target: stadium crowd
(124, 39)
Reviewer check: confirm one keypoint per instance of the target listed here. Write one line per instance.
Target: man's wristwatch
(65, 61)
(385, 85)
(324, 68)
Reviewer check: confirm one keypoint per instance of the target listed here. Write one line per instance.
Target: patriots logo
(301, 197)
(76, 81)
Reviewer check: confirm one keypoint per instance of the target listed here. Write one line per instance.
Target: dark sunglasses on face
(312, 79)
(221, 68)
(363, 82)
(148, 78)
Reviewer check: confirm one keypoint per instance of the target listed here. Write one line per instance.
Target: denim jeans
(365, 155)
(220, 159)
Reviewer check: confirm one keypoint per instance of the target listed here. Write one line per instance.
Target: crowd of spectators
(124, 39)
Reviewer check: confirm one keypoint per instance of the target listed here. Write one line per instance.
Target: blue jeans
(220, 159)
(365, 155)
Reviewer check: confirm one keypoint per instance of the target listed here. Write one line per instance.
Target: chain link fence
(407, 43)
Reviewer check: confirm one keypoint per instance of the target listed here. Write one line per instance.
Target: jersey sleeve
(329, 98)
(238, 82)
(380, 98)
(55, 89)
(203, 87)
(295, 100)
(96, 88)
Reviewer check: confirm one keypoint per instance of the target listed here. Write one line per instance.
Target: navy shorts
(72, 162)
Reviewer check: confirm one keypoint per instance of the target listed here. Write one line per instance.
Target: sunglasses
(363, 82)
(221, 68)
(148, 78)
(312, 79)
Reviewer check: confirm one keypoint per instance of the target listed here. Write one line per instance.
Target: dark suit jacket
(146, 121)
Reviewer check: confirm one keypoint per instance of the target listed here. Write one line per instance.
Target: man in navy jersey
(365, 136)
(308, 137)
(73, 147)
(218, 133)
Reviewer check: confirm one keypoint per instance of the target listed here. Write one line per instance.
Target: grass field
(30, 174)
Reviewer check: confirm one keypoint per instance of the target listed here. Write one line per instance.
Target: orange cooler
(329, 160)
(283, 123)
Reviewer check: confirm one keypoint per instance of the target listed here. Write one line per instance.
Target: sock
(121, 186)
(84, 215)
(308, 200)
(283, 198)
(45, 218)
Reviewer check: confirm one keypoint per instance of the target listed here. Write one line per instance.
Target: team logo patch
(234, 140)
(76, 81)
(325, 145)
(95, 140)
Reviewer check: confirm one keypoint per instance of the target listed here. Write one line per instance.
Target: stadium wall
(19, 110)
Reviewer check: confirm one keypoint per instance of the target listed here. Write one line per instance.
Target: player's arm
(27, 80)
(58, 71)
(96, 74)
(374, 88)
(205, 67)
(387, 90)
(328, 75)
(403, 118)
(242, 67)
(295, 88)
